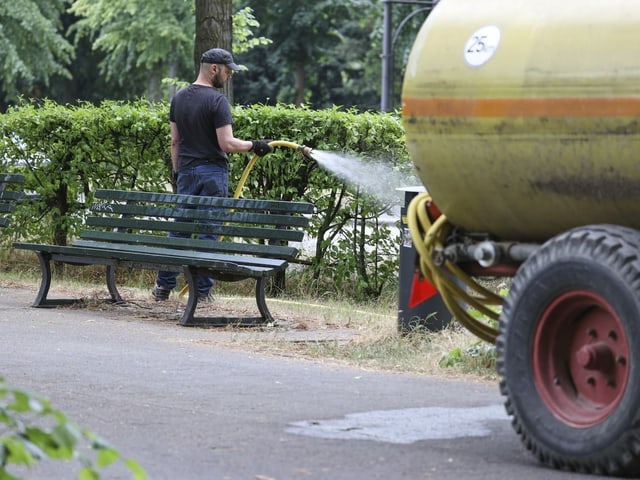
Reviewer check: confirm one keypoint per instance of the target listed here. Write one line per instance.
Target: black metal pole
(388, 40)
(387, 58)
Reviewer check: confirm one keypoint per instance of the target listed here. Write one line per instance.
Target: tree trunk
(213, 30)
(173, 71)
(300, 85)
(154, 83)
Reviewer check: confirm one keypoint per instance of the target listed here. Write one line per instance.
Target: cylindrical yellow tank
(522, 117)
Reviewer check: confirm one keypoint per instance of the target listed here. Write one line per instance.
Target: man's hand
(261, 147)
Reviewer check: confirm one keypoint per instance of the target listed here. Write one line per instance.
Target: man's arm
(231, 144)
(175, 140)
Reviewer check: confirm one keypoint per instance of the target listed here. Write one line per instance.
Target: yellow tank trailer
(522, 121)
(522, 117)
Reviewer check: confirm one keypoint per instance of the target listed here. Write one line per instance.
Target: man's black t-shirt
(198, 111)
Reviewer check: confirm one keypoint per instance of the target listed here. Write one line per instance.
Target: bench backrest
(9, 195)
(247, 226)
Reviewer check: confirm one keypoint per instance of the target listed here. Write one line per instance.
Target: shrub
(66, 152)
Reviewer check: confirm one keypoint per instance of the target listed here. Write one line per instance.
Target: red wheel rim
(580, 358)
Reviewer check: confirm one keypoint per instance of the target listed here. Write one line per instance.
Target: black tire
(568, 342)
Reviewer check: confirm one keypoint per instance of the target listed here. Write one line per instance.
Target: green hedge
(66, 152)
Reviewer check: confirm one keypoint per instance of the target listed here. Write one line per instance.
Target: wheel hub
(595, 356)
(580, 358)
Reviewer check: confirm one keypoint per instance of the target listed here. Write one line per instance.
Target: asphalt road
(188, 408)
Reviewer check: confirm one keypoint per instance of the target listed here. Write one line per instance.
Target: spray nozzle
(306, 151)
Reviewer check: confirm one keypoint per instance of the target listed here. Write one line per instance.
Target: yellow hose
(254, 159)
(245, 175)
(450, 280)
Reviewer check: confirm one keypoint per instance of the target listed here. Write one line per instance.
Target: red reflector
(432, 210)
(421, 290)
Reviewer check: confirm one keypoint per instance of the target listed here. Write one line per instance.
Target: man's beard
(216, 81)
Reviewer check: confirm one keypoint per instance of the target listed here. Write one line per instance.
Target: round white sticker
(482, 45)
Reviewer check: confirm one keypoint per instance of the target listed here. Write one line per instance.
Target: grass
(329, 330)
(450, 352)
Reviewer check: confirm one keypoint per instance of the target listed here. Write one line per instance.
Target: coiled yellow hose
(449, 279)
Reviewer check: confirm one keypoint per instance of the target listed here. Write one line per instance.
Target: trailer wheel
(568, 339)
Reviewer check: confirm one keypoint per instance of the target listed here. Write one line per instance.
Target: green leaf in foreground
(36, 431)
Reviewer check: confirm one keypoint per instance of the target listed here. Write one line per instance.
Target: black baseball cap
(219, 56)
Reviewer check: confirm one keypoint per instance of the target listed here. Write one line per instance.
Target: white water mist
(373, 177)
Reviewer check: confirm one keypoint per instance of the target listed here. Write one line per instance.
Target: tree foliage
(150, 35)
(327, 53)
(244, 24)
(162, 38)
(32, 45)
(321, 50)
(321, 53)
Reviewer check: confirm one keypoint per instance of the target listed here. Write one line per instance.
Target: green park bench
(9, 195)
(130, 229)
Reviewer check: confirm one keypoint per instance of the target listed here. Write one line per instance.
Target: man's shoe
(202, 299)
(159, 293)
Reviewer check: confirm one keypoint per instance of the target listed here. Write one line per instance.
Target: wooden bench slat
(7, 207)
(223, 202)
(197, 228)
(183, 254)
(157, 257)
(278, 251)
(222, 215)
(12, 178)
(9, 195)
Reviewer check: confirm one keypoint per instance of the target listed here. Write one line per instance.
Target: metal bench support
(190, 320)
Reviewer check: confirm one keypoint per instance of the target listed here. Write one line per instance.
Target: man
(201, 136)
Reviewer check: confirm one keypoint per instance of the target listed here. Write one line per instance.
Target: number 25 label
(482, 45)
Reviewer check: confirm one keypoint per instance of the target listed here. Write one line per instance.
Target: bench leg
(42, 301)
(190, 320)
(45, 258)
(111, 284)
(187, 317)
(262, 302)
(45, 283)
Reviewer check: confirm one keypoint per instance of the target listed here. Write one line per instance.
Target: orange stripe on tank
(522, 107)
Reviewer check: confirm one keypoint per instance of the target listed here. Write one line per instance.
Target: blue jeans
(204, 180)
